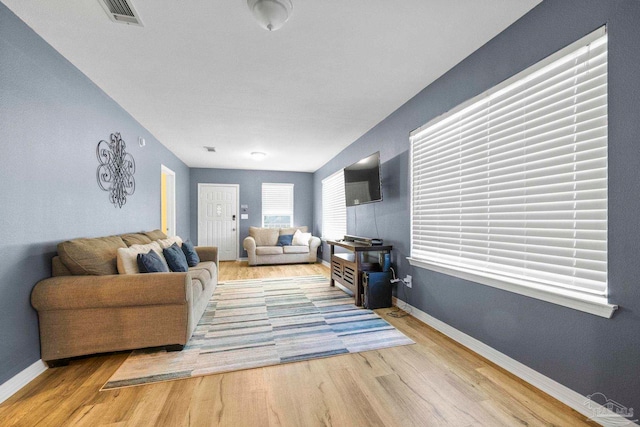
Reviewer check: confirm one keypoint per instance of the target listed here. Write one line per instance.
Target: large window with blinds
(277, 205)
(334, 210)
(510, 188)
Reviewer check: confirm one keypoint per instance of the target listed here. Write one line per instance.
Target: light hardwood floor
(432, 383)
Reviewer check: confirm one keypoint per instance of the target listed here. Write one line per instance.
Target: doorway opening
(167, 201)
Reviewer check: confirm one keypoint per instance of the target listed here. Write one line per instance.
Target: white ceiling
(203, 73)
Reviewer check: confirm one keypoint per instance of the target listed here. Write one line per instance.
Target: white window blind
(334, 210)
(512, 185)
(277, 205)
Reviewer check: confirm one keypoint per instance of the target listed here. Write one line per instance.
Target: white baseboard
(553, 388)
(21, 379)
(326, 263)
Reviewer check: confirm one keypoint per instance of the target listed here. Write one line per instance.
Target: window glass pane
(276, 221)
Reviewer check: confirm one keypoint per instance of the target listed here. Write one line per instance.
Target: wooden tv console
(347, 268)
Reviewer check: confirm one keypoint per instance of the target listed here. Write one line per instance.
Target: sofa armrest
(314, 243)
(249, 245)
(207, 253)
(123, 290)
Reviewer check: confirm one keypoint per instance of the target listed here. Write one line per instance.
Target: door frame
(237, 189)
(171, 199)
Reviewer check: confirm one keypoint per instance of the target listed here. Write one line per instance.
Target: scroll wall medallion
(115, 173)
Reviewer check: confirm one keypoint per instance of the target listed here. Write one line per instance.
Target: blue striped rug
(263, 322)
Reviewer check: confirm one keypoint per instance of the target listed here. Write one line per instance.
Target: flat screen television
(362, 181)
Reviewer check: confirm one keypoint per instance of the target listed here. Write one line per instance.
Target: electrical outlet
(407, 281)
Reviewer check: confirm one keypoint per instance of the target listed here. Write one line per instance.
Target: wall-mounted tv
(362, 181)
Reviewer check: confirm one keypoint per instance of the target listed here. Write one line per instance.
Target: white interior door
(218, 218)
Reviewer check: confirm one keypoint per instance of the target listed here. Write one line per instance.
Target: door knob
(234, 217)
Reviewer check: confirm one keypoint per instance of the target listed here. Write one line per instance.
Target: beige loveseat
(262, 247)
(87, 307)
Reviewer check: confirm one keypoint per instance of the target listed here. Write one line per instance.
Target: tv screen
(362, 181)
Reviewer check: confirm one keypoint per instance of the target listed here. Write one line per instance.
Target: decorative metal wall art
(115, 173)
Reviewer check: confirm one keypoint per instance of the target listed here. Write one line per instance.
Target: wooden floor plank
(433, 382)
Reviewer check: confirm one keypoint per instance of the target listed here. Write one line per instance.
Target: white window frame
(445, 233)
(277, 199)
(334, 208)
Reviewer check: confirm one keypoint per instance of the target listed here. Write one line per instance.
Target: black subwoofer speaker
(377, 289)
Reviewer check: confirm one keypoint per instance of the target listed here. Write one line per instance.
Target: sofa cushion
(151, 263)
(95, 256)
(58, 268)
(135, 239)
(210, 266)
(155, 235)
(292, 230)
(196, 288)
(202, 276)
(190, 253)
(296, 249)
(269, 250)
(200, 272)
(264, 236)
(127, 258)
(175, 258)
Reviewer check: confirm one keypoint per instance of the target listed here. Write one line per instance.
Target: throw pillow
(165, 243)
(151, 263)
(301, 239)
(127, 258)
(285, 240)
(190, 253)
(291, 230)
(175, 258)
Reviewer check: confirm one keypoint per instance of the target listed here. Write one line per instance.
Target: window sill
(598, 306)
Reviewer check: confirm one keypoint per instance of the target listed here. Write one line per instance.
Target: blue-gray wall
(250, 182)
(51, 119)
(587, 353)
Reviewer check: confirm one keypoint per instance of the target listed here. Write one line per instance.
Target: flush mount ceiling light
(258, 155)
(271, 14)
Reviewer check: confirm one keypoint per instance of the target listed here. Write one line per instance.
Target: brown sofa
(262, 247)
(87, 307)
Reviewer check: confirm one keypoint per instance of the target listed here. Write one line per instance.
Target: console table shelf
(347, 268)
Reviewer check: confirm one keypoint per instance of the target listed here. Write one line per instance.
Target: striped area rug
(263, 322)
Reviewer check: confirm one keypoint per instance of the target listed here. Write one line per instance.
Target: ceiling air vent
(121, 11)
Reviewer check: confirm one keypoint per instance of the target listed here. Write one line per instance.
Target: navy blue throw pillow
(190, 253)
(285, 240)
(175, 258)
(151, 263)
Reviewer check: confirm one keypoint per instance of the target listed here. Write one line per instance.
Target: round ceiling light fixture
(258, 155)
(271, 14)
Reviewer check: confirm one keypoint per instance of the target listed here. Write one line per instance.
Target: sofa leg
(174, 347)
(57, 363)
